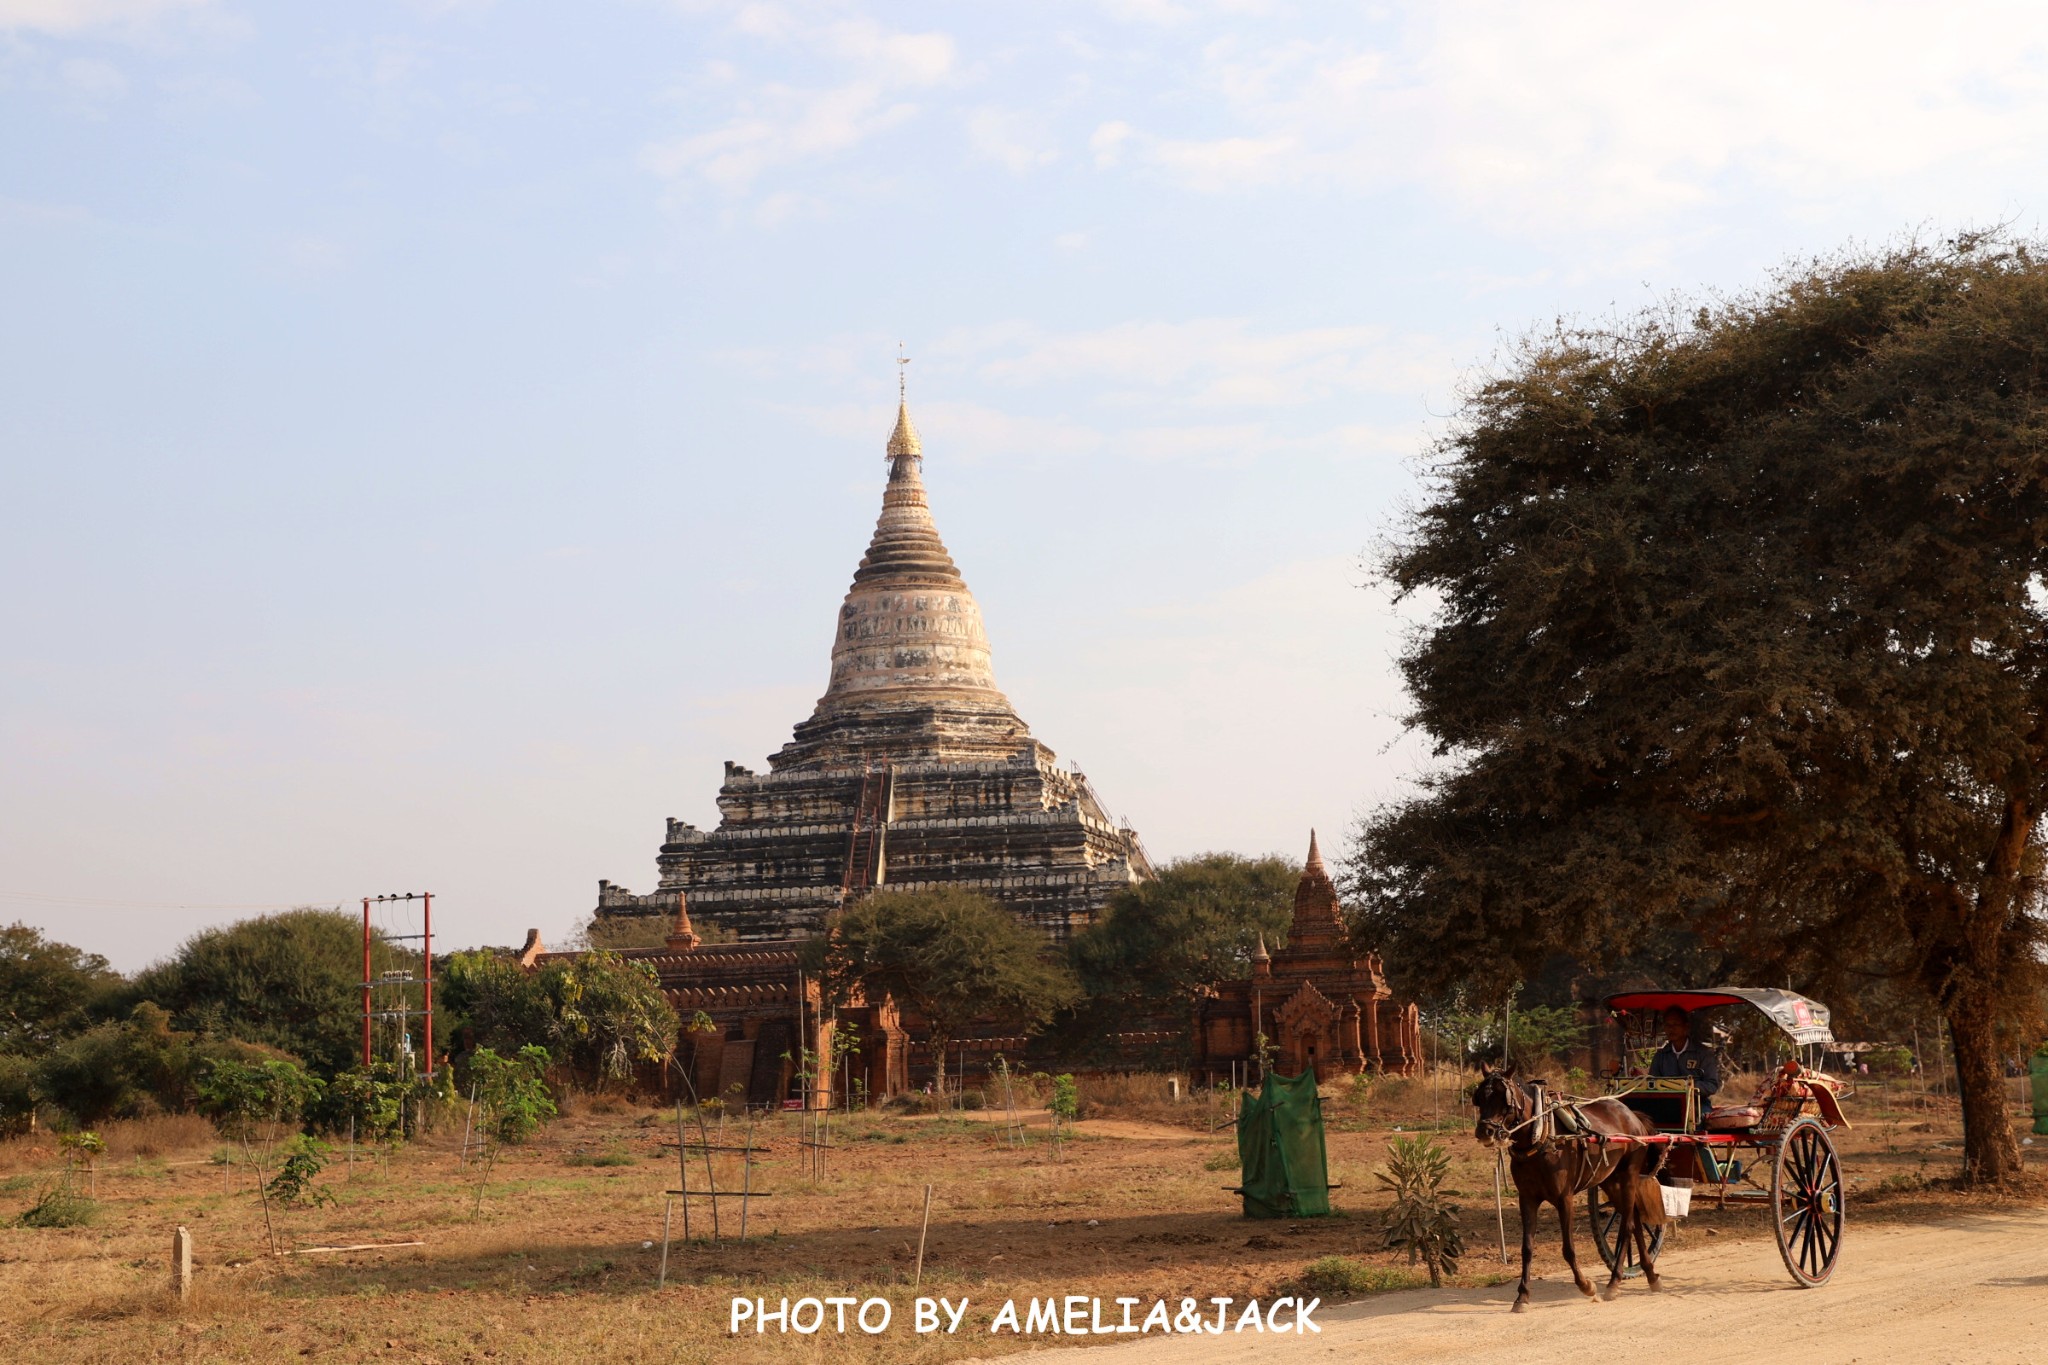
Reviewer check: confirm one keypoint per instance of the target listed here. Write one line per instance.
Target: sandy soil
(563, 1262)
(1966, 1289)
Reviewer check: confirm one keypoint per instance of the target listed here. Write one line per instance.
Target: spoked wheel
(1605, 1221)
(1806, 1202)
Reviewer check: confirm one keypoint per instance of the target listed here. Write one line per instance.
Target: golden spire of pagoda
(903, 441)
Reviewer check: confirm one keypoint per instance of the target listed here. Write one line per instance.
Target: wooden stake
(181, 1264)
(922, 1232)
(746, 1177)
(683, 1169)
(1499, 1205)
(668, 1209)
(467, 1120)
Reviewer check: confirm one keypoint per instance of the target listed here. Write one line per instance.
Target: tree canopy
(949, 954)
(1741, 625)
(600, 1014)
(47, 989)
(1159, 942)
(292, 981)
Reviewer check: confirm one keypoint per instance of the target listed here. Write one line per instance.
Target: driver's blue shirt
(1693, 1062)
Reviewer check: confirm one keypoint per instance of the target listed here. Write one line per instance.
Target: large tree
(1741, 625)
(600, 1014)
(47, 989)
(950, 955)
(292, 981)
(1159, 943)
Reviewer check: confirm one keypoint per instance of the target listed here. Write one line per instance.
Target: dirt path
(1969, 1289)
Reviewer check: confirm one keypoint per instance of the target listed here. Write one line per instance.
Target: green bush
(1422, 1221)
(1224, 1159)
(1066, 1098)
(60, 1207)
(132, 1067)
(597, 1159)
(293, 1185)
(287, 981)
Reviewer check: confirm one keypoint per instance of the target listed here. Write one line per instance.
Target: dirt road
(1969, 1289)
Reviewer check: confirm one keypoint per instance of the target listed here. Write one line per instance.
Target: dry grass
(557, 1269)
(160, 1137)
(1144, 1097)
(163, 1136)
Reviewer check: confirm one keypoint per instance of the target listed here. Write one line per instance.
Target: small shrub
(1358, 1102)
(973, 1099)
(1223, 1159)
(60, 1208)
(597, 1159)
(1395, 1091)
(1423, 1222)
(293, 1186)
(1334, 1275)
(1065, 1103)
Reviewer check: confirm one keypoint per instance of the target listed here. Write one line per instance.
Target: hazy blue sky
(434, 435)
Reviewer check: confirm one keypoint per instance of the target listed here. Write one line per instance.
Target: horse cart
(1720, 1155)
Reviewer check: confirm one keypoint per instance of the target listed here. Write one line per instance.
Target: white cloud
(1212, 392)
(775, 127)
(1108, 142)
(66, 18)
(1211, 362)
(777, 123)
(1011, 138)
(1595, 113)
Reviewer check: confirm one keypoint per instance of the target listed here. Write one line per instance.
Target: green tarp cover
(2040, 1073)
(1280, 1144)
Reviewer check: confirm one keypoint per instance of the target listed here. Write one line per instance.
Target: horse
(1555, 1169)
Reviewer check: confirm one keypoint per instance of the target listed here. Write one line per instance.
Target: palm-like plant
(1422, 1221)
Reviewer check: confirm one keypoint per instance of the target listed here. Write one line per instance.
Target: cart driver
(1681, 1057)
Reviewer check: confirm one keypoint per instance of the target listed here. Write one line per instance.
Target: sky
(435, 436)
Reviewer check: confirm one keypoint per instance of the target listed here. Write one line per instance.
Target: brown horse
(1551, 1165)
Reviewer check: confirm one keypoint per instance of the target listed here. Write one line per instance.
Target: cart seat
(1732, 1118)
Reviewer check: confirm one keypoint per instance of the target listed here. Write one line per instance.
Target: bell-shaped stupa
(911, 675)
(913, 770)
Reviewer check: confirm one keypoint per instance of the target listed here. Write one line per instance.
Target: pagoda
(913, 771)
(1315, 1005)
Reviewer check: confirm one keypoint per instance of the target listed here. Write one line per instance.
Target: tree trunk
(939, 1041)
(1974, 999)
(1991, 1151)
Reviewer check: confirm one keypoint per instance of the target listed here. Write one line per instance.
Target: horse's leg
(1531, 1205)
(1621, 1193)
(1571, 1251)
(1645, 1234)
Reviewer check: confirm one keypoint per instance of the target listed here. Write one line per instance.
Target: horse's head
(1502, 1103)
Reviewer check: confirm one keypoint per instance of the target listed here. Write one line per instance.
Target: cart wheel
(1605, 1221)
(1806, 1202)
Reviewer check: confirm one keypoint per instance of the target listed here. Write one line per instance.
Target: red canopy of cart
(1804, 1021)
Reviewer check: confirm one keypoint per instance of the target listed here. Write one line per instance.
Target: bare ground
(559, 1267)
(1964, 1289)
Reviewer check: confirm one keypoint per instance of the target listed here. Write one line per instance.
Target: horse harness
(1561, 1128)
